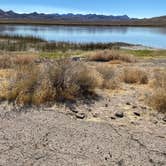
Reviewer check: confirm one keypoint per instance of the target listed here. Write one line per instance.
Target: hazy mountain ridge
(70, 16)
(78, 19)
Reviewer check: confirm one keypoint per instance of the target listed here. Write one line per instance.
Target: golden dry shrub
(158, 100)
(62, 80)
(159, 79)
(22, 84)
(5, 61)
(24, 59)
(158, 97)
(133, 75)
(110, 77)
(110, 55)
(72, 79)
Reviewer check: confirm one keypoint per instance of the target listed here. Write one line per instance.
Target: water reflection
(149, 36)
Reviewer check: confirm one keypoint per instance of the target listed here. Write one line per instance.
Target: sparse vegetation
(62, 80)
(158, 97)
(110, 77)
(110, 55)
(133, 75)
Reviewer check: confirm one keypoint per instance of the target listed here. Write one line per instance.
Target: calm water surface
(148, 36)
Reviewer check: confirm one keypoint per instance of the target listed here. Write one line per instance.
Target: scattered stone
(113, 117)
(119, 114)
(95, 115)
(76, 58)
(74, 110)
(137, 114)
(144, 107)
(80, 115)
(164, 119)
(89, 109)
(128, 103)
(134, 106)
(106, 105)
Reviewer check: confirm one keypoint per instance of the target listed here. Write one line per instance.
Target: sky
(133, 8)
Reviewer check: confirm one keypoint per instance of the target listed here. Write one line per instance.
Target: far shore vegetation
(135, 22)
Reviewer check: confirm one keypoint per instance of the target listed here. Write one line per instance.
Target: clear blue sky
(133, 8)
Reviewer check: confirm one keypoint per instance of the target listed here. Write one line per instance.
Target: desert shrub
(59, 81)
(5, 61)
(109, 55)
(158, 100)
(110, 77)
(73, 79)
(159, 79)
(22, 84)
(11, 61)
(134, 75)
(158, 97)
(24, 59)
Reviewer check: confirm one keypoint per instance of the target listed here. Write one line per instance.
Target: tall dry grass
(158, 97)
(133, 75)
(110, 77)
(110, 55)
(62, 80)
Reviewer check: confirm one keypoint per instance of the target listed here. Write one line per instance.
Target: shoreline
(69, 23)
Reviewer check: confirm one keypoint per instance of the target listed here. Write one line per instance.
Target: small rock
(95, 115)
(113, 117)
(80, 115)
(128, 103)
(74, 110)
(89, 109)
(137, 114)
(164, 119)
(143, 107)
(119, 114)
(106, 105)
(134, 106)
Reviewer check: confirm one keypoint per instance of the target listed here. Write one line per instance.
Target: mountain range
(88, 17)
(78, 19)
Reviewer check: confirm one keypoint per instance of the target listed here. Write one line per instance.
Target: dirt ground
(115, 129)
(38, 137)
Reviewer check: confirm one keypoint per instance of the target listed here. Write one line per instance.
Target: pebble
(80, 115)
(119, 114)
(74, 110)
(134, 106)
(164, 119)
(95, 115)
(137, 114)
(143, 107)
(106, 105)
(89, 109)
(128, 103)
(113, 117)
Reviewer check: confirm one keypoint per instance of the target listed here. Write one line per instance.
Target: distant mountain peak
(70, 16)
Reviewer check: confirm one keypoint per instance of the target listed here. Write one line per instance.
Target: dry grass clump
(133, 75)
(158, 100)
(24, 59)
(63, 80)
(110, 77)
(110, 55)
(10, 61)
(5, 61)
(158, 97)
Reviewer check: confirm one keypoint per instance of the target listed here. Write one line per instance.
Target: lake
(148, 36)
